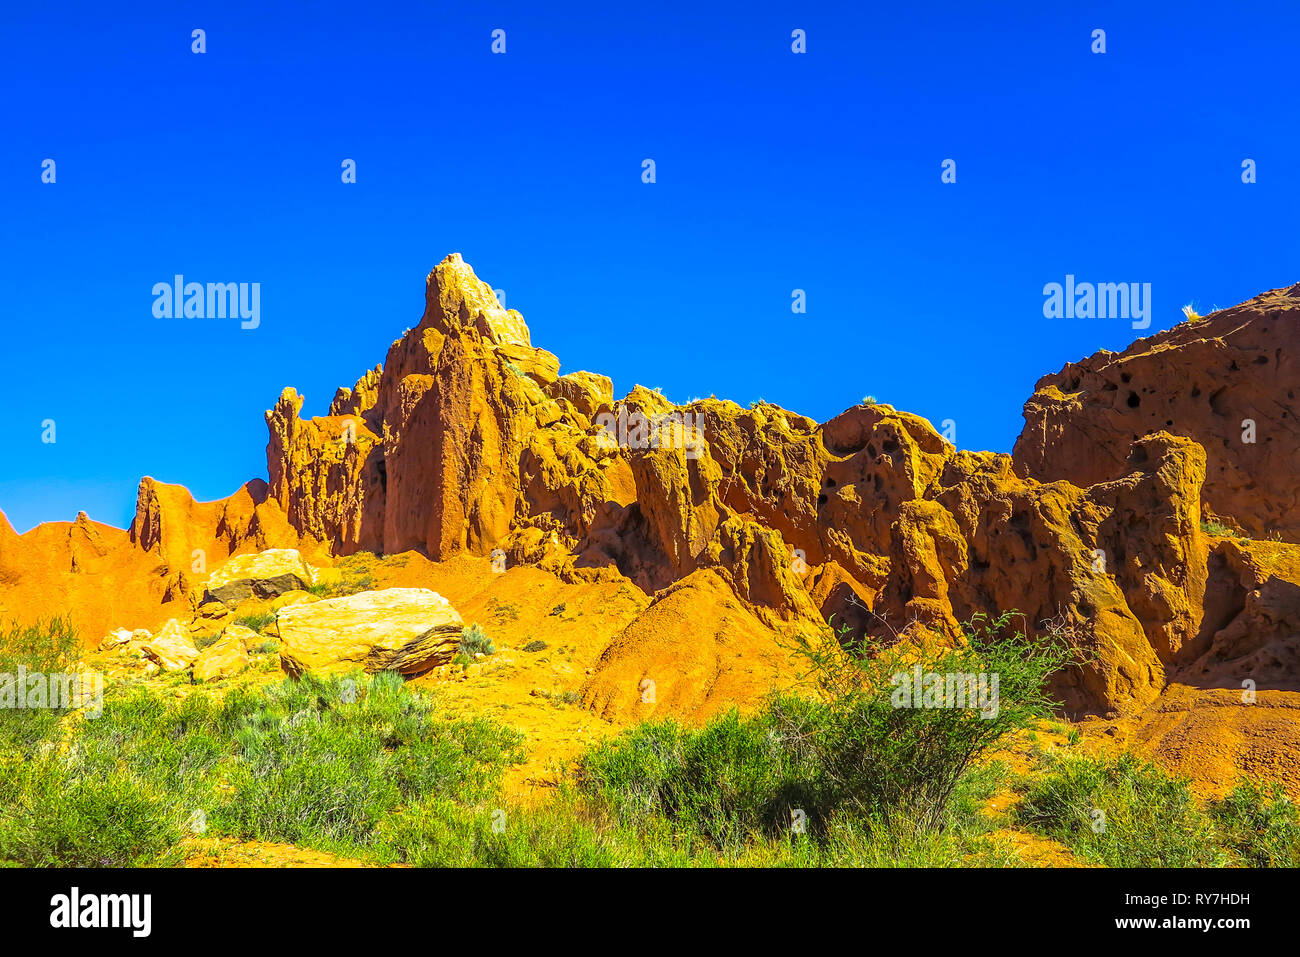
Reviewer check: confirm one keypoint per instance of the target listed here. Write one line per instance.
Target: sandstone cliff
(743, 525)
(1228, 381)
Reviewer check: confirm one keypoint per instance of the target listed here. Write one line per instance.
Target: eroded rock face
(468, 439)
(190, 538)
(407, 630)
(105, 577)
(1228, 382)
(588, 392)
(1250, 630)
(326, 473)
(872, 516)
(439, 432)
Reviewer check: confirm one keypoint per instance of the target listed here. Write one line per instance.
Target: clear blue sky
(775, 171)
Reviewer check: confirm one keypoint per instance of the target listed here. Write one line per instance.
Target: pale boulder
(133, 647)
(171, 649)
(407, 630)
(292, 598)
(224, 659)
(247, 637)
(262, 575)
(115, 639)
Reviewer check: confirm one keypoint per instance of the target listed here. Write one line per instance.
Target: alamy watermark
(75, 909)
(975, 691)
(215, 300)
(668, 430)
(1103, 300)
(61, 690)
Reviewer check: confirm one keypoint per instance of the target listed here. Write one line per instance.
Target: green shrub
(875, 752)
(318, 769)
(54, 816)
(895, 841)
(444, 834)
(354, 577)
(1218, 528)
(853, 749)
(352, 583)
(1260, 826)
(174, 745)
(504, 609)
(256, 622)
(535, 645)
(49, 646)
(1121, 812)
(473, 642)
(728, 780)
(315, 762)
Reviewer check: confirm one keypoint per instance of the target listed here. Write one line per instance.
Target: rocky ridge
(467, 441)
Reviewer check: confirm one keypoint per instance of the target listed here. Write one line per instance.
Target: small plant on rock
(1217, 528)
(256, 622)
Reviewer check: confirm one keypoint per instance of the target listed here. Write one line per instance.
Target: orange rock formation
(467, 440)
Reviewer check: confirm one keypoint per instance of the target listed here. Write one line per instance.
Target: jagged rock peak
(455, 299)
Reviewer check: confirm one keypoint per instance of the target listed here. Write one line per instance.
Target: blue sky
(775, 171)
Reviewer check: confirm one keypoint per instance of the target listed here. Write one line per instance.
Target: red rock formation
(1207, 380)
(105, 577)
(467, 439)
(871, 516)
(326, 474)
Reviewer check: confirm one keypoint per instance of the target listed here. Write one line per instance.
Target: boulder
(115, 639)
(133, 647)
(171, 649)
(247, 637)
(225, 659)
(292, 598)
(407, 630)
(262, 575)
(213, 609)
